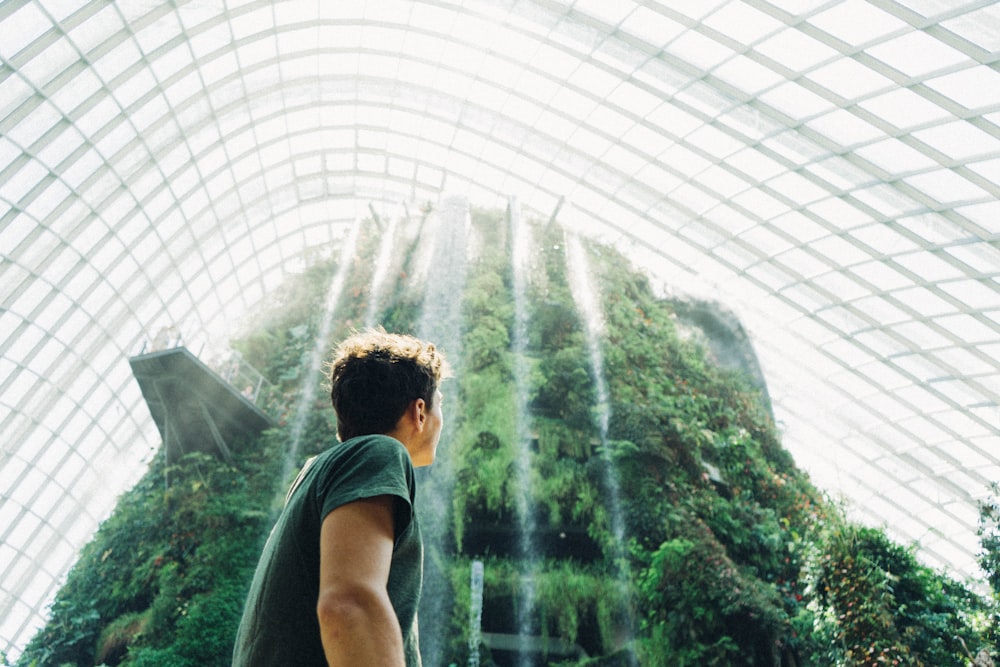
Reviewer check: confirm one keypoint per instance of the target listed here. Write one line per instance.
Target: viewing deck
(195, 408)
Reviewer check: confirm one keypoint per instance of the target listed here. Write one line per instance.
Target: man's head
(375, 377)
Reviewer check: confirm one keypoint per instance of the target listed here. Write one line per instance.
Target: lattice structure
(827, 169)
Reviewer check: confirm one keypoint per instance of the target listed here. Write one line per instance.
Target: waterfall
(441, 323)
(475, 612)
(383, 263)
(585, 295)
(520, 247)
(311, 377)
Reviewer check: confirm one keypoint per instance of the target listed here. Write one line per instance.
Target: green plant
(731, 556)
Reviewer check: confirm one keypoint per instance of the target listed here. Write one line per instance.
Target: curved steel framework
(828, 169)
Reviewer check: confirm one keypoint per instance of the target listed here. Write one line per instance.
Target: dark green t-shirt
(279, 625)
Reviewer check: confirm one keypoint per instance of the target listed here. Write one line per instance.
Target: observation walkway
(198, 409)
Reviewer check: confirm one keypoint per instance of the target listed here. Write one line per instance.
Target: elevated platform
(195, 409)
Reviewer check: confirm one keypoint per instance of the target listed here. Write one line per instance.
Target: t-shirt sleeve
(379, 466)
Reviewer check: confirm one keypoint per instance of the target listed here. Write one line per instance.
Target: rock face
(722, 334)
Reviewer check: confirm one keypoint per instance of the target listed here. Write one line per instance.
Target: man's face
(436, 422)
(426, 450)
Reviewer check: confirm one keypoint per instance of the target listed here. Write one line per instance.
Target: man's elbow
(339, 609)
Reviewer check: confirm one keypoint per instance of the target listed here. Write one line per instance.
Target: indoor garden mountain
(611, 488)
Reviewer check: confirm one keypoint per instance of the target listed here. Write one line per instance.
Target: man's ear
(419, 407)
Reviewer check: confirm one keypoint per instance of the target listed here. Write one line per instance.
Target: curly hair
(375, 375)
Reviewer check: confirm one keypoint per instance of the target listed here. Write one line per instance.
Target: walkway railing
(227, 364)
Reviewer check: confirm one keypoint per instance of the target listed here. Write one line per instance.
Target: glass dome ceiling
(827, 169)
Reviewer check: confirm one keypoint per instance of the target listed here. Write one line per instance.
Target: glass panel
(611, 13)
(934, 228)
(594, 80)
(16, 185)
(96, 30)
(699, 50)
(251, 23)
(53, 60)
(888, 201)
(850, 79)
(21, 28)
(921, 399)
(42, 119)
(989, 169)
(806, 264)
(674, 120)
(798, 188)
(170, 63)
(158, 33)
(883, 239)
(917, 53)
(714, 141)
(762, 204)
(722, 181)
(986, 215)
(798, 226)
(839, 214)
(845, 128)
(796, 50)
(904, 108)
(856, 22)
(135, 87)
(882, 311)
(895, 156)
(959, 140)
(742, 22)
(982, 257)
(755, 164)
(646, 139)
(839, 251)
(928, 265)
(747, 75)
(621, 56)
(966, 328)
(122, 55)
(213, 38)
(796, 101)
(149, 113)
(706, 99)
(972, 88)
(880, 275)
(946, 187)
(979, 27)
(47, 200)
(974, 294)
(797, 7)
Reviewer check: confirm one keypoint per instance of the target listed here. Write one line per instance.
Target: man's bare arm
(357, 623)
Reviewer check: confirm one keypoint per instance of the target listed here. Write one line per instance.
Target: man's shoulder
(362, 467)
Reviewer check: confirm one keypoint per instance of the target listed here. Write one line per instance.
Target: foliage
(168, 554)
(875, 604)
(730, 555)
(989, 536)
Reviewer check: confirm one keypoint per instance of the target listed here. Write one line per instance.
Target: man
(339, 580)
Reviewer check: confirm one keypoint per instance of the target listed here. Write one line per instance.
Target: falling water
(441, 322)
(311, 378)
(585, 295)
(383, 263)
(475, 612)
(520, 244)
